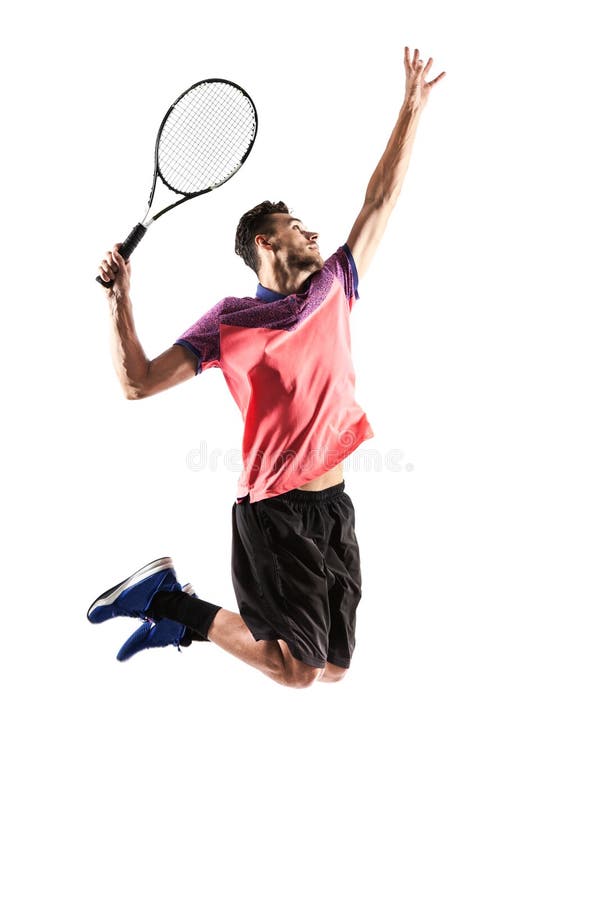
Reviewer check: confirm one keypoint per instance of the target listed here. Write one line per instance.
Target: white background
(460, 756)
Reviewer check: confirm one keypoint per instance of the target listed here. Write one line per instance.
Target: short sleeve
(203, 339)
(342, 266)
(353, 274)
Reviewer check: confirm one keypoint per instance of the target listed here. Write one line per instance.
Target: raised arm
(384, 187)
(139, 376)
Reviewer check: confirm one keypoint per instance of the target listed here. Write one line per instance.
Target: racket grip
(127, 248)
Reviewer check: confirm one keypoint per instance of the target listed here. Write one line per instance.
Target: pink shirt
(287, 362)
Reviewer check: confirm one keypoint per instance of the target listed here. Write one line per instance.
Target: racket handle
(126, 249)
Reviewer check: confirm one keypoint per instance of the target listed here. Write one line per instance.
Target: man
(285, 354)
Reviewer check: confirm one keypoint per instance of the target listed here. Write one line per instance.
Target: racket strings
(205, 137)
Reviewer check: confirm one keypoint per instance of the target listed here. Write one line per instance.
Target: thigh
(280, 578)
(342, 559)
(250, 576)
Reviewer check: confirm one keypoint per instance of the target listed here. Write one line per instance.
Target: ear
(261, 242)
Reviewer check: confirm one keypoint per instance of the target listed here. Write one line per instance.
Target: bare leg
(332, 673)
(273, 658)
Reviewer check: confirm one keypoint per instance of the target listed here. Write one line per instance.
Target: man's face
(296, 245)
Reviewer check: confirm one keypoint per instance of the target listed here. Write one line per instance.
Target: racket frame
(138, 232)
(186, 195)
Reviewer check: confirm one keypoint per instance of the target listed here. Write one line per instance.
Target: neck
(278, 277)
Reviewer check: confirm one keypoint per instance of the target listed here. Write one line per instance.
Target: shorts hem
(342, 662)
(308, 660)
(266, 635)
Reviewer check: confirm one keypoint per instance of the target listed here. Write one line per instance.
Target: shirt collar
(263, 293)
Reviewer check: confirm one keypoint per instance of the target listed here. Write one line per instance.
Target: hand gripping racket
(203, 140)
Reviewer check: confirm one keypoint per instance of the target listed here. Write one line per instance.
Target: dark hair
(255, 221)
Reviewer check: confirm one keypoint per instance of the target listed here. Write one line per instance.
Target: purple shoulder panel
(248, 312)
(203, 338)
(350, 272)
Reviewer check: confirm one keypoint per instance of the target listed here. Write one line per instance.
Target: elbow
(135, 385)
(134, 391)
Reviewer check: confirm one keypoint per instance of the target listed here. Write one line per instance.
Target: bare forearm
(386, 181)
(139, 376)
(130, 362)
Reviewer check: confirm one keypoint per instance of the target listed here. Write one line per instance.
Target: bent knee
(303, 676)
(333, 673)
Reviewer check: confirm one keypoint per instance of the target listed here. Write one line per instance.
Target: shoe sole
(152, 568)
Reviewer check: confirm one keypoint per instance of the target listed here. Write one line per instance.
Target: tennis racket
(203, 140)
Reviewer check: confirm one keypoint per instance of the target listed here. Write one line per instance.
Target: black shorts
(296, 572)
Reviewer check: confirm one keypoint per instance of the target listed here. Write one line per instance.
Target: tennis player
(285, 354)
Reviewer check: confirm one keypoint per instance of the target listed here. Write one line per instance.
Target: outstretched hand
(417, 87)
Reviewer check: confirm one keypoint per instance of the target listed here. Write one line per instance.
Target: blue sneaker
(154, 634)
(133, 596)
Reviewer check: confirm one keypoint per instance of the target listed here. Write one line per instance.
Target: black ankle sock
(188, 636)
(181, 607)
